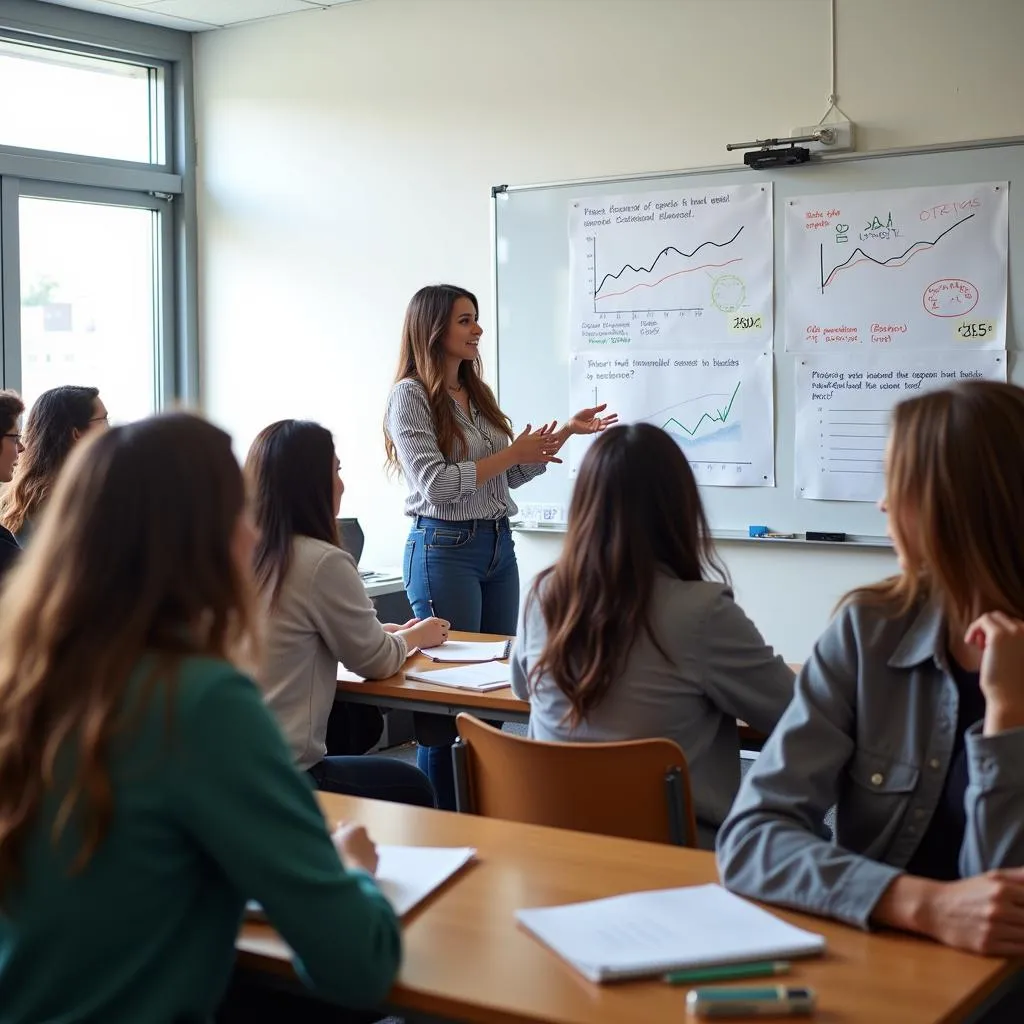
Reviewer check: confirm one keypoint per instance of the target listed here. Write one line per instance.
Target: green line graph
(714, 416)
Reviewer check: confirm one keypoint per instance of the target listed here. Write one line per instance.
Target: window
(97, 226)
(75, 103)
(90, 298)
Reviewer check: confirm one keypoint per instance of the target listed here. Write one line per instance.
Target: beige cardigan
(323, 616)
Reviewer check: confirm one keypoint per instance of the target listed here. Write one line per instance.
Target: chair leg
(460, 766)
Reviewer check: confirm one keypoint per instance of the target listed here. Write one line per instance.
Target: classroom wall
(346, 158)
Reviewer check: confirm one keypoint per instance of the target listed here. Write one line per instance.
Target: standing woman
(59, 418)
(444, 430)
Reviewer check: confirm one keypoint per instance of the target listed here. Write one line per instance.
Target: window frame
(169, 186)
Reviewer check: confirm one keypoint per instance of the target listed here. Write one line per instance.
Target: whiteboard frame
(853, 540)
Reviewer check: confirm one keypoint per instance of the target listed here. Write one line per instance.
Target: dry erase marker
(728, 972)
(767, 1001)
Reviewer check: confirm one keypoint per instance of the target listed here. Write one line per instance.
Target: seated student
(59, 418)
(633, 632)
(909, 714)
(11, 408)
(145, 790)
(319, 611)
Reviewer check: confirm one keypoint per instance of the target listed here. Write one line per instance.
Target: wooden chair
(638, 789)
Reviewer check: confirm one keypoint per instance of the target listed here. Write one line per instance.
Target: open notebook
(406, 875)
(469, 650)
(489, 675)
(646, 933)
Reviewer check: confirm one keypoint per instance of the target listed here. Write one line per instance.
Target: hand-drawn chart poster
(897, 269)
(681, 267)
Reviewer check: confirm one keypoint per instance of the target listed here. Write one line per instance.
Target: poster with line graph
(676, 268)
(716, 405)
(897, 269)
(843, 405)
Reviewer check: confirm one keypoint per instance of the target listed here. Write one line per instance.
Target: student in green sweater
(145, 790)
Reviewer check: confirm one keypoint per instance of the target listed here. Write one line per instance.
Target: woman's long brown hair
(132, 557)
(955, 496)
(427, 321)
(57, 419)
(635, 512)
(290, 472)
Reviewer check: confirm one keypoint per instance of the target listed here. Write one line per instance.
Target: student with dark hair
(145, 790)
(444, 430)
(11, 408)
(633, 633)
(58, 420)
(319, 612)
(909, 715)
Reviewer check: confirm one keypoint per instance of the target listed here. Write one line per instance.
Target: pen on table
(726, 972)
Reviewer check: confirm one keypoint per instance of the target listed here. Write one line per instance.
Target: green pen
(728, 972)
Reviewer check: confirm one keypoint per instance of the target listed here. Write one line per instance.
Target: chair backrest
(638, 789)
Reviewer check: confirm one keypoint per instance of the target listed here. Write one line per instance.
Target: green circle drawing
(728, 293)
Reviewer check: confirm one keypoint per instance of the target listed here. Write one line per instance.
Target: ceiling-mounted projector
(783, 156)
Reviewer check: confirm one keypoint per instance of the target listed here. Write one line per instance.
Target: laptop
(350, 533)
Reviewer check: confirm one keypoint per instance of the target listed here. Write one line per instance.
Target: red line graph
(677, 273)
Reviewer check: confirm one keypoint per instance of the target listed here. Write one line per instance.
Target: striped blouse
(438, 487)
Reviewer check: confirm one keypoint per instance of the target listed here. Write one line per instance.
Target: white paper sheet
(897, 269)
(406, 875)
(468, 650)
(647, 933)
(843, 405)
(489, 675)
(681, 267)
(717, 405)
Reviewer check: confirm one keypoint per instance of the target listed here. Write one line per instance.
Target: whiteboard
(531, 267)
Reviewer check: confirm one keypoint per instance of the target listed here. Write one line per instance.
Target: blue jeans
(464, 572)
(379, 778)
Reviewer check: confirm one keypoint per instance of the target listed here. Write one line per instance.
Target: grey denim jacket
(870, 730)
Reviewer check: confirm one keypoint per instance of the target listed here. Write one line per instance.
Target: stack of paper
(466, 650)
(491, 675)
(647, 933)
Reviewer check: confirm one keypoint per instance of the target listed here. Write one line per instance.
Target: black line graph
(657, 260)
(922, 245)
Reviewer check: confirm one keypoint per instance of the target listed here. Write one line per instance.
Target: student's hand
(587, 421)
(1001, 640)
(390, 627)
(984, 914)
(430, 632)
(535, 446)
(355, 847)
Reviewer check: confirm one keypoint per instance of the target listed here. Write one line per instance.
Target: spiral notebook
(469, 651)
(488, 675)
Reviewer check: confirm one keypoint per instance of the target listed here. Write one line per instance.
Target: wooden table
(412, 695)
(497, 705)
(467, 960)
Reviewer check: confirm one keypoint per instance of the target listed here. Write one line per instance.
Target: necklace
(455, 390)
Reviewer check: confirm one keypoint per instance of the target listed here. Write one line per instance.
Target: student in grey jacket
(319, 612)
(909, 715)
(634, 633)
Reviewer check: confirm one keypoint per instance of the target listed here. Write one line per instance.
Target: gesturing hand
(1001, 640)
(984, 914)
(587, 421)
(533, 446)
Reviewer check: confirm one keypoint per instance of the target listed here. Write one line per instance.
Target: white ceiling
(197, 15)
